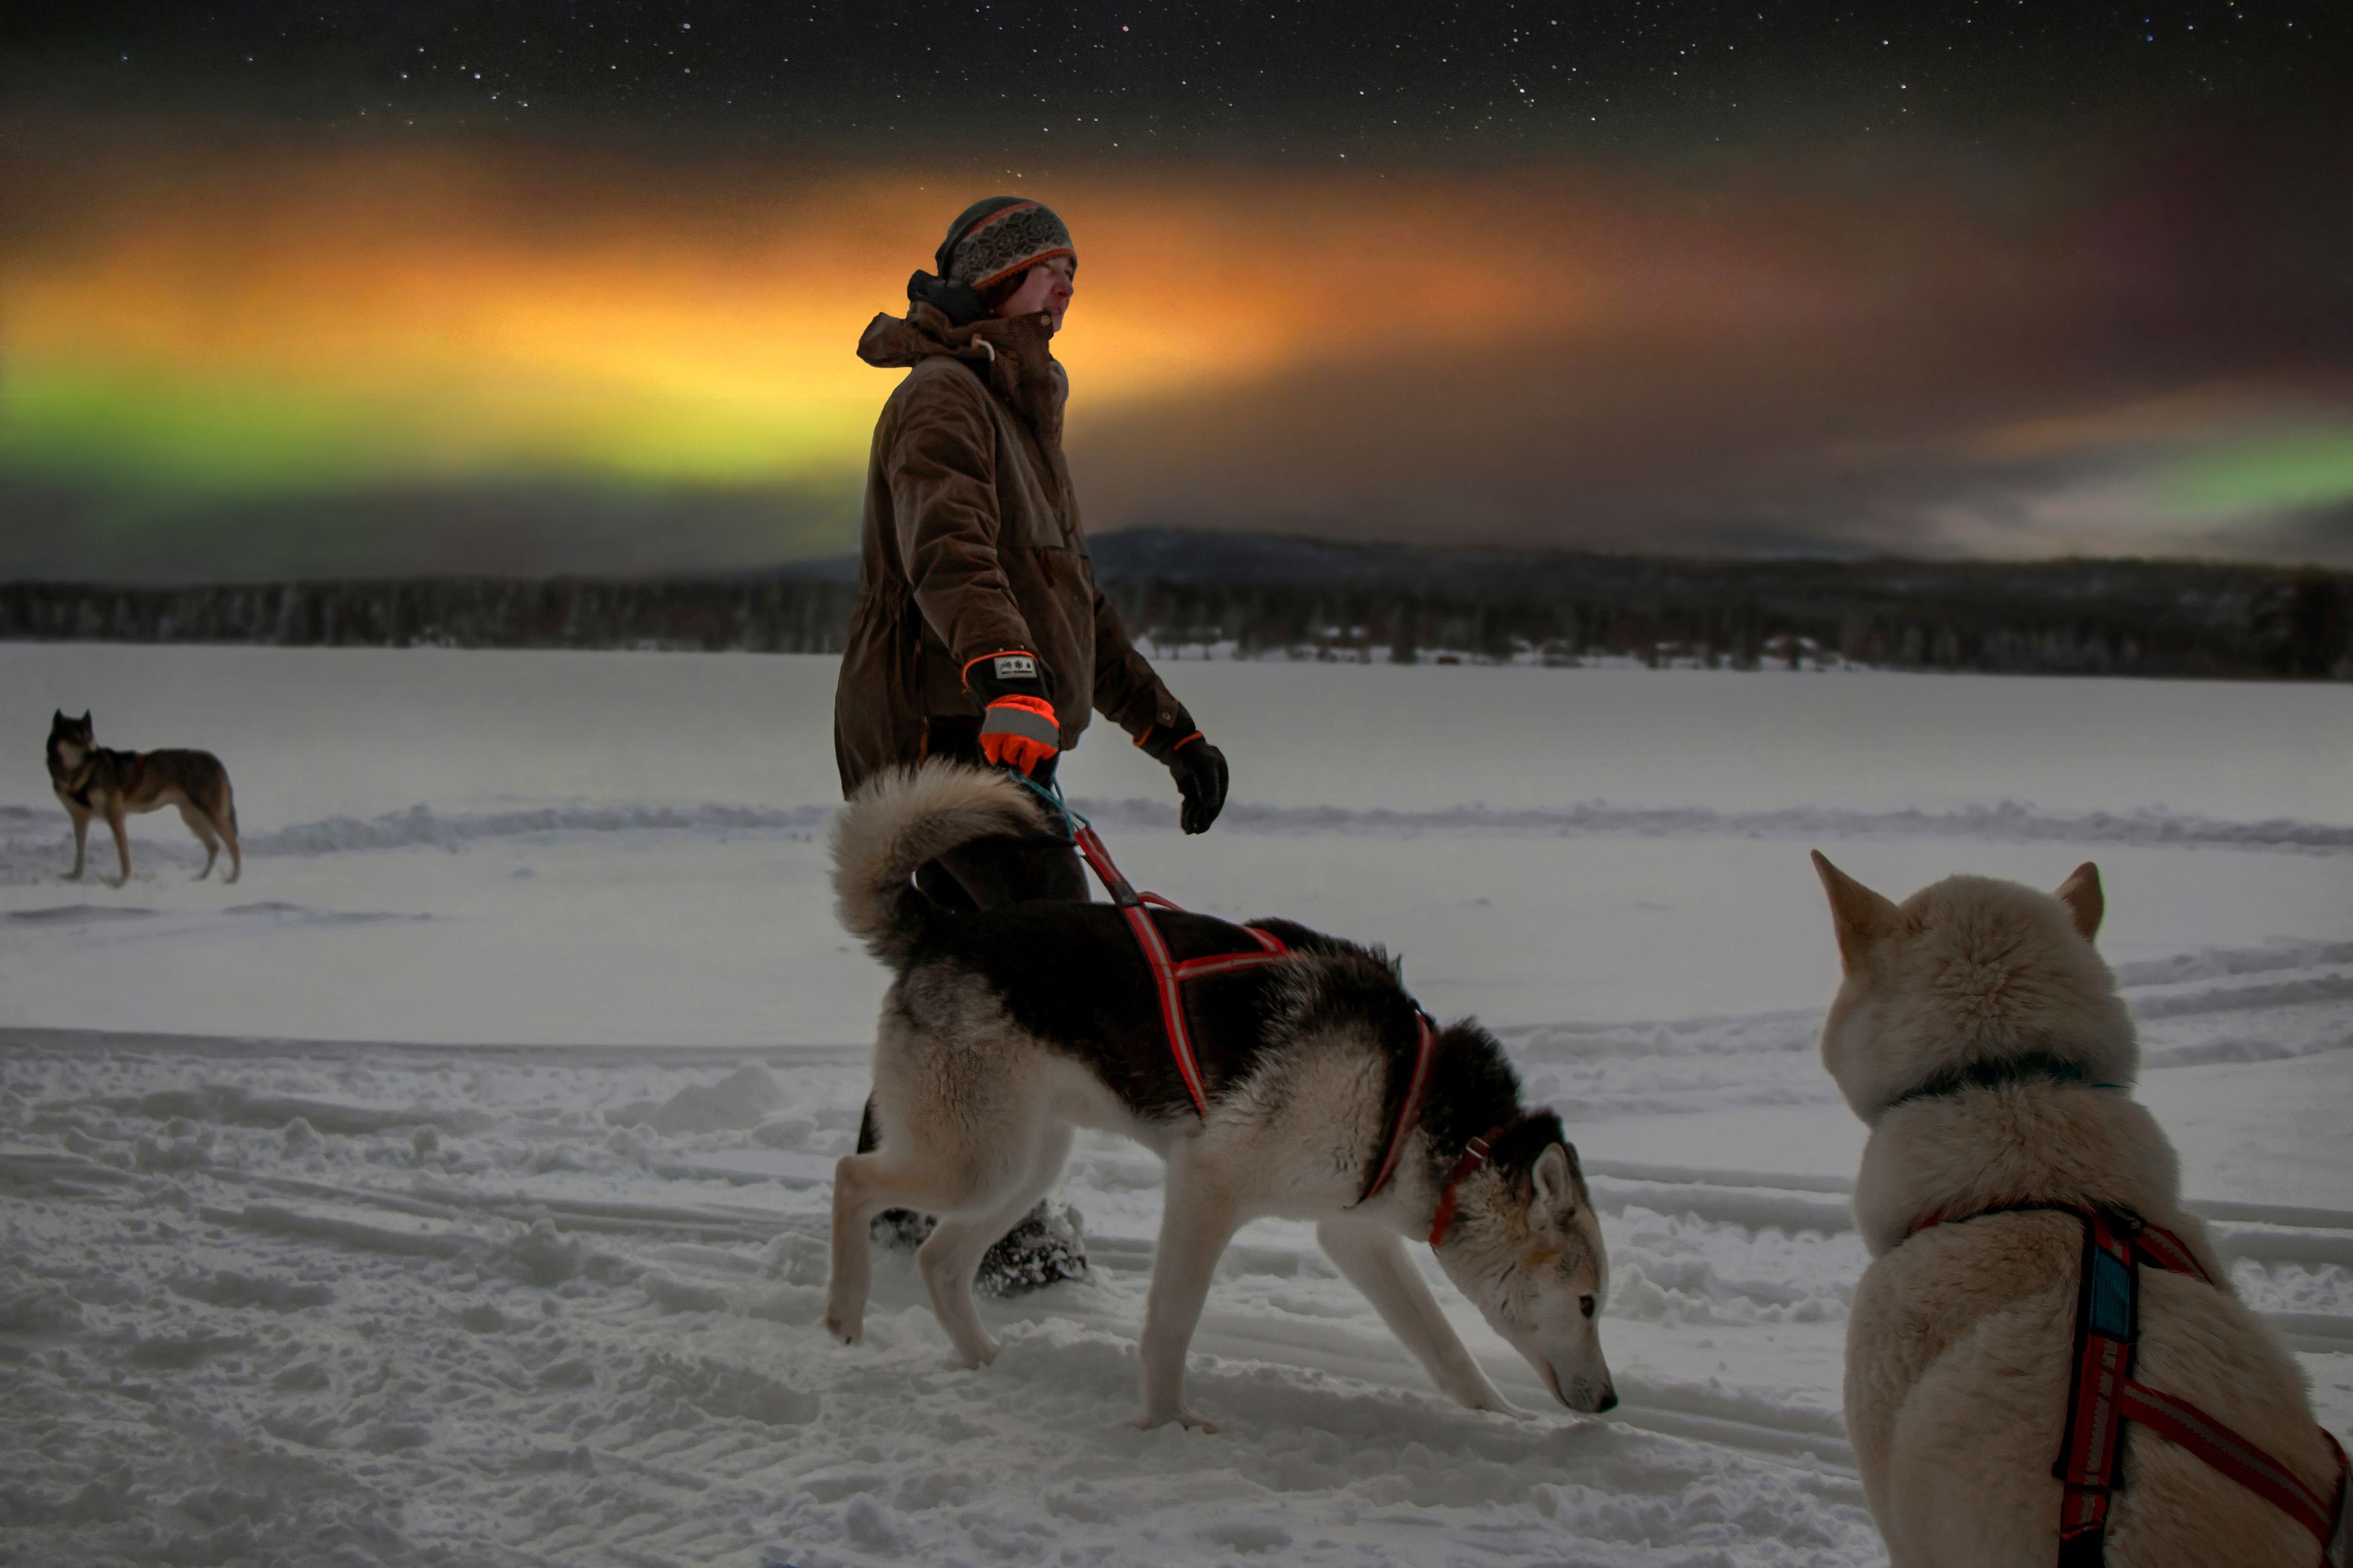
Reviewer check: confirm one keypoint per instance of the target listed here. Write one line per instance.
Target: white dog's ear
(2081, 893)
(1556, 1182)
(1857, 915)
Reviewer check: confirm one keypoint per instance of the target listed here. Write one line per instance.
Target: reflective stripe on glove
(1018, 728)
(1019, 732)
(1199, 768)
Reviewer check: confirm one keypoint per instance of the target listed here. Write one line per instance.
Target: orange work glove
(1018, 728)
(1017, 731)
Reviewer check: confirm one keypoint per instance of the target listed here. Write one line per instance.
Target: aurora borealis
(357, 316)
(2047, 336)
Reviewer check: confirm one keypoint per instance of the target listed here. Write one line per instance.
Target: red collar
(1475, 1156)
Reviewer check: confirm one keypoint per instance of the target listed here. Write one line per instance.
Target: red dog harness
(1168, 977)
(2103, 1395)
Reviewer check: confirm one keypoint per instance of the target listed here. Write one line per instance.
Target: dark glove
(1198, 767)
(1018, 728)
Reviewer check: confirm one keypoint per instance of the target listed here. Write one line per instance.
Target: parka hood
(1012, 355)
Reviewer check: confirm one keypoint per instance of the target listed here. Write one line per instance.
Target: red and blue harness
(1169, 976)
(2103, 1394)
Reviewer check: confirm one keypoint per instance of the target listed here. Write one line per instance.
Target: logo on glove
(1016, 667)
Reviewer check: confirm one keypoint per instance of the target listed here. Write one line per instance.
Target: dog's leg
(81, 843)
(201, 826)
(863, 1186)
(226, 826)
(122, 839)
(1374, 1258)
(950, 1256)
(852, 1269)
(859, 1180)
(1196, 1220)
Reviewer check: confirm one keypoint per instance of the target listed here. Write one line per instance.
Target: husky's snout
(1592, 1399)
(1585, 1395)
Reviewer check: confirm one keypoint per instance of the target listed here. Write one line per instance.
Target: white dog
(1981, 1038)
(1006, 1029)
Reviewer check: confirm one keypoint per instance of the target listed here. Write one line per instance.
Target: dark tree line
(755, 616)
(2073, 618)
(1257, 597)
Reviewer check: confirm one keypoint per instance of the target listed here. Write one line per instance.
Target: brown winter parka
(971, 546)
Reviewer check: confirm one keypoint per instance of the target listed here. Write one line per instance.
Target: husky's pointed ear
(2081, 893)
(85, 716)
(58, 716)
(1857, 915)
(1556, 1183)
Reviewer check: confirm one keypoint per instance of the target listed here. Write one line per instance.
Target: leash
(1169, 976)
(2103, 1394)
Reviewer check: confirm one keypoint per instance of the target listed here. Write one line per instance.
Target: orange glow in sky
(376, 314)
(274, 320)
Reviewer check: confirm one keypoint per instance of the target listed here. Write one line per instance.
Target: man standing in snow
(979, 633)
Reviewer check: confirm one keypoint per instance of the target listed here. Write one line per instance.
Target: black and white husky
(1007, 1030)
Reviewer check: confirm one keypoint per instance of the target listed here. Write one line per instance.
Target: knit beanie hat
(995, 238)
(990, 240)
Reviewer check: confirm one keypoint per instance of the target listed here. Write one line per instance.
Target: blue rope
(1053, 796)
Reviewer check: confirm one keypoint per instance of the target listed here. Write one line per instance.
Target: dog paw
(972, 1358)
(848, 1331)
(1489, 1399)
(1181, 1415)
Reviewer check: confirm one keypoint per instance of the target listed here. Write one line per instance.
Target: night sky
(1947, 278)
(1045, 86)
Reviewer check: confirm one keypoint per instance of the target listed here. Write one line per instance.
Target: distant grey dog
(92, 781)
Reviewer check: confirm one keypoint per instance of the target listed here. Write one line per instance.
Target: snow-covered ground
(453, 1188)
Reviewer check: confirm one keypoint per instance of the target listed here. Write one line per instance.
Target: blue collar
(2030, 1067)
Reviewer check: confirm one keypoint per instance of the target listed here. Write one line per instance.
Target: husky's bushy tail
(902, 817)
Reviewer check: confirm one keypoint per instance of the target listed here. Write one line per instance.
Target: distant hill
(1257, 596)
